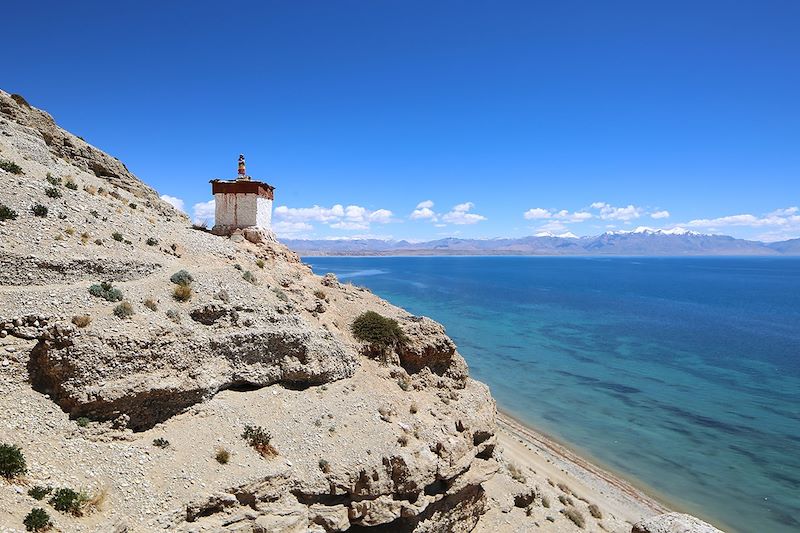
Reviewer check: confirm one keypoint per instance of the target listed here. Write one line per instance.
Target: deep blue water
(680, 373)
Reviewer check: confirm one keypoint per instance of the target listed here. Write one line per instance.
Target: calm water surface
(681, 373)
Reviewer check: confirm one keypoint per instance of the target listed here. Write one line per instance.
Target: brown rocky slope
(404, 442)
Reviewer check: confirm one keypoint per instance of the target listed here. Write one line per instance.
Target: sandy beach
(551, 468)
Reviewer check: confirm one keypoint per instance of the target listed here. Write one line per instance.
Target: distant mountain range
(641, 241)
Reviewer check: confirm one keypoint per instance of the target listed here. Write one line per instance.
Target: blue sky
(428, 119)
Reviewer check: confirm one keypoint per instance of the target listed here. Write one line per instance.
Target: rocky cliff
(184, 381)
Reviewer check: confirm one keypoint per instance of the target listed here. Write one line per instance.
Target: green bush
(39, 210)
(124, 310)
(51, 180)
(259, 439)
(37, 520)
(6, 213)
(181, 277)
(151, 241)
(82, 422)
(117, 236)
(52, 192)
(249, 277)
(161, 443)
(132, 205)
(38, 492)
(12, 461)
(377, 330)
(10, 166)
(68, 501)
(94, 213)
(71, 185)
(260, 263)
(106, 291)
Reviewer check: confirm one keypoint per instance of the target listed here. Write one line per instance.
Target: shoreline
(632, 502)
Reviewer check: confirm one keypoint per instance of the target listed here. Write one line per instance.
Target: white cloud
(460, 214)
(292, 229)
(609, 212)
(204, 213)
(381, 216)
(536, 213)
(424, 211)
(777, 225)
(305, 214)
(660, 214)
(352, 217)
(349, 225)
(175, 202)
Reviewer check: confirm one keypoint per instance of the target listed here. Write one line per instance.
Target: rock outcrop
(673, 523)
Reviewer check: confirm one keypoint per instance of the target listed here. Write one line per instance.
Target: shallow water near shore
(682, 373)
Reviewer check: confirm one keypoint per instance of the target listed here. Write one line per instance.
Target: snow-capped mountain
(642, 241)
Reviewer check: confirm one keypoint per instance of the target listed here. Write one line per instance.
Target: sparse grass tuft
(37, 520)
(182, 293)
(575, 515)
(516, 472)
(52, 192)
(39, 210)
(91, 189)
(12, 461)
(69, 231)
(124, 310)
(249, 277)
(6, 213)
(106, 291)
(259, 439)
(594, 510)
(377, 330)
(223, 295)
(223, 456)
(10, 166)
(151, 304)
(280, 294)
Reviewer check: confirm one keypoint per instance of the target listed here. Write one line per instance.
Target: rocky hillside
(176, 380)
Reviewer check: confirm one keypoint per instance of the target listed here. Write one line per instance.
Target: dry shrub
(516, 472)
(594, 510)
(151, 304)
(575, 515)
(222, 456)
(81, 320)
(182, 293)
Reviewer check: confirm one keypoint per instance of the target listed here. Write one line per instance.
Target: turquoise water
(680, 373)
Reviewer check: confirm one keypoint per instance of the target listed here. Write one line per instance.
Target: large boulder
(673, 523)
